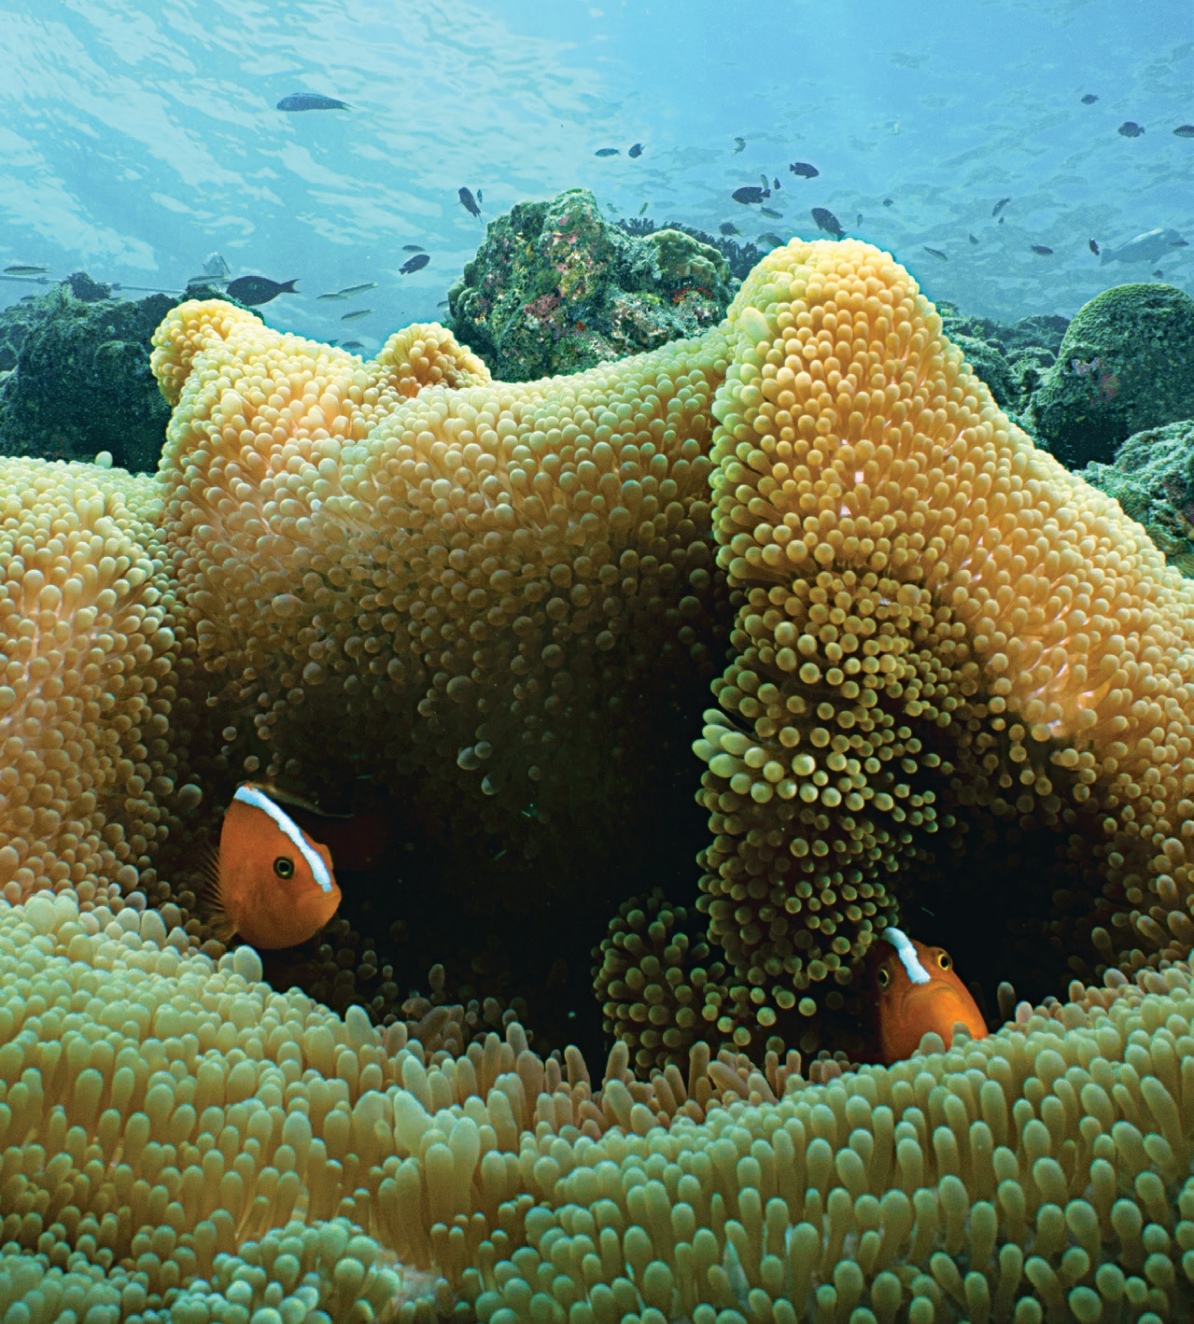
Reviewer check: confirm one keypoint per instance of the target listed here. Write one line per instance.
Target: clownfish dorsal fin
(210, 896)
(907, 954)
(252, 795)
(283, 797)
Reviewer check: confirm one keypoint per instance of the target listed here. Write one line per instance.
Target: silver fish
(1146, 247)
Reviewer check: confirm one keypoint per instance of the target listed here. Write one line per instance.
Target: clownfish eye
(884, 977)
(943, 960)
(284, 866)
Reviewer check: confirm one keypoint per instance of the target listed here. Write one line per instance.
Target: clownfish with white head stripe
(269, 882)
(918, 991)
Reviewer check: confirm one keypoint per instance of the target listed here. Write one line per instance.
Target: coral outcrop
(75, 378)
(1126, 364)
(1152, 478)
(1011, 360)
(555, 288)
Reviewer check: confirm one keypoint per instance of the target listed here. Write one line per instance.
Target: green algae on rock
(555, 288)
(75, 378)
(1152, 478)
(1011, 360)
(1126, 363)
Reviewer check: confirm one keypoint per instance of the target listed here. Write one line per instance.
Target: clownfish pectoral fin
(210, 896)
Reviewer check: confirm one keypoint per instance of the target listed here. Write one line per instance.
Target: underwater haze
(136, 139)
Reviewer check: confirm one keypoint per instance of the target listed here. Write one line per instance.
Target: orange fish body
(271, 883)
(918, 991)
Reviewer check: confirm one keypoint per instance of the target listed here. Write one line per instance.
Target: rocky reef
(1152, 478)
(75, 378)
(555, 288)
(1126, 364)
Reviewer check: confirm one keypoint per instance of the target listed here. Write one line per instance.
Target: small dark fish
(804, 170)
(771, 213)
(21, 269)
(1184, 131)
(1089, 99)
(768, 237)
(858, 218)
(1130, 129)
(319, 298)
(642, 211)
(1043, 249)
(636, 150)
(775, 184)
(936, 252)
(350, 290)
(443, 303)
(356, 314)
(480, 196)
(1001, 220)
(468, 202)
(889, 202)
(999, 206)
(352, 344)
(739, 145)
(310, 101)
(828, 222)
(973, 240)
(606, 151)
(1093, 246)
(1158, 273)
(416, 263)
(255, 290)
(412, 248)
(728, 227)
(750, 193)
(766, 183)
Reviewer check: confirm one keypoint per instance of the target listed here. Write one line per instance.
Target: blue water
(136, 139)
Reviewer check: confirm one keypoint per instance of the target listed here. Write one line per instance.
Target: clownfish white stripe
(250, 795)
(907, 953)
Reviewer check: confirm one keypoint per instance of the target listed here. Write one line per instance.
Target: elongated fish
(310, 101)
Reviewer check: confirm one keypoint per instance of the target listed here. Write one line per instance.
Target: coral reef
(181, 1141)
(1126, 364)
(555, 288)
(1152, 478)
(1011, 360)
(959, 684)
(75, 378)
(739, 256)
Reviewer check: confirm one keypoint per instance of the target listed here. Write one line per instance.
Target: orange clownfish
(269, 882)
(918, 991)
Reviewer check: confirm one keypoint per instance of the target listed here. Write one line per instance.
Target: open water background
(137, 138)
